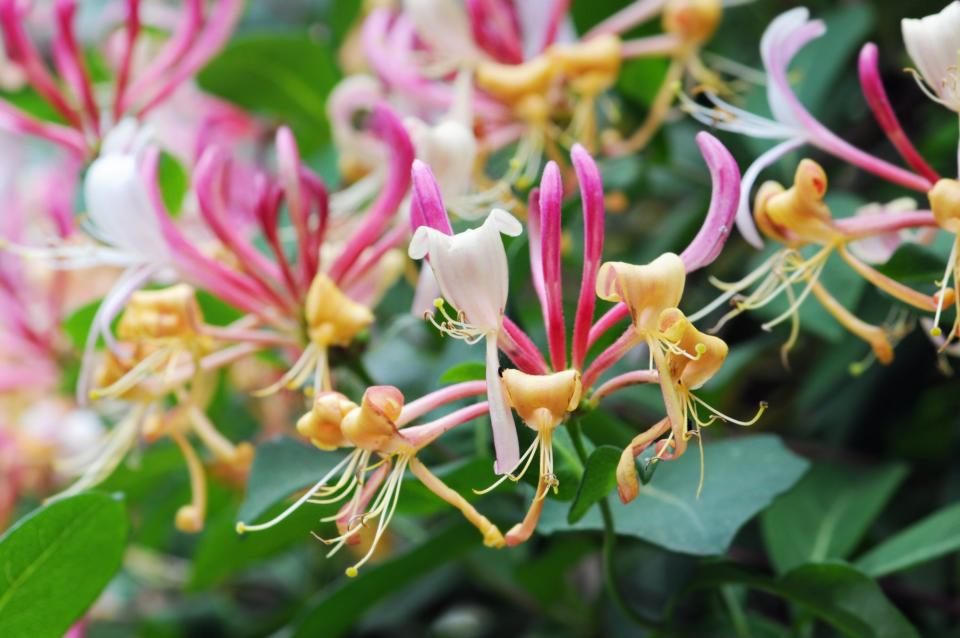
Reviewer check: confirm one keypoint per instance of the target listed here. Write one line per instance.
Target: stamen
(306, 361)
(944, 284)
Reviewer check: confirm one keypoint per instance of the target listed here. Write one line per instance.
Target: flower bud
(372, 426)
(646, 290)
(322, 423)
(543, 400)
(798, 212)
(693, 21)
(333, 319)
(945, 203)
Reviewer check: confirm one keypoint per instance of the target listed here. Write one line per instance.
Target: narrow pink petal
(591, 194)
(21, 50)
(868, 226)
(520, 349)
(420, 435)
(625, 380)
(358, 505)
(551, 196)
(69, 61)
(559, 9)
(217, 28)
(439, 398)
(392, 239)
(288, 172)
(318, 216)
(606, 359)
(427, 202)
(209, 187)
(16, 121)
(385, 124)
(627, 18)
(610, 318)
(175, 48)
(131, 33)
(876, 97)
(496, 29)
(534, 239)
(725, 177)
(209, 273)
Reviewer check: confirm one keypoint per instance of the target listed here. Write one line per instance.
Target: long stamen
(307, 361)
(525, 460)
(384, 519)
(243, 527)
(944, 284)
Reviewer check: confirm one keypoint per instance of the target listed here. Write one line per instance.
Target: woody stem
(609, 541)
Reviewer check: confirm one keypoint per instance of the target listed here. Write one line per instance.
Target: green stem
(609, 542)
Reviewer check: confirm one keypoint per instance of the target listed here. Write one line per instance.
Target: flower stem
(609, 542)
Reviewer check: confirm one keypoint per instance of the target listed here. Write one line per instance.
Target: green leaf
(78, 323)
(933, 537)
(281, 467)
(55, 562)
(466, 371)
(599, 479)
(827, 513)
(337, 609)
(174, 183)
(912, 262)
(287, 77)
(835, 593)
(742, 476)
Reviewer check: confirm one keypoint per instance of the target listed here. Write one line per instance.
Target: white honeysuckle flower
(472, 272)
(933, 43)
(450, 149)
(119, 212)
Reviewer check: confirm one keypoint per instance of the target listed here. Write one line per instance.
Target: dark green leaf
(742, 476)
(826, 514)
(599, 479)
(466, 371)
(281, 467)
(933, 537)
(56, 561)
(336, 610)
(835, 593)
(287, 77)
(913, 262)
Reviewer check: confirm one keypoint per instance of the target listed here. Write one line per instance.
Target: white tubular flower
(471, 270)
(450, 149)
(118, 207)
(933, 43)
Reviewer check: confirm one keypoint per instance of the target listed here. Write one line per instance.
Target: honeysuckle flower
(933, 43)
(471, 271)
(538, 85)
(383, 447)
(166, 347)
(545, 395)
(136, 92)
(798, 218)
(945, 202)
(791, 123)
(877, 249)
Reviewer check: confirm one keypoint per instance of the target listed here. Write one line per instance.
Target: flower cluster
(303, 267)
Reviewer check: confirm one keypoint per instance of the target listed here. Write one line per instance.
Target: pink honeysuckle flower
(383, 446)
(877, 249)
(197, 36)
(791, 122)
(544, 395)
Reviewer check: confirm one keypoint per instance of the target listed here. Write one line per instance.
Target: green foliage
(286, 77)
(55, 561)
(935, 536)
(669, 513)
(826, 513)
(599, 479)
